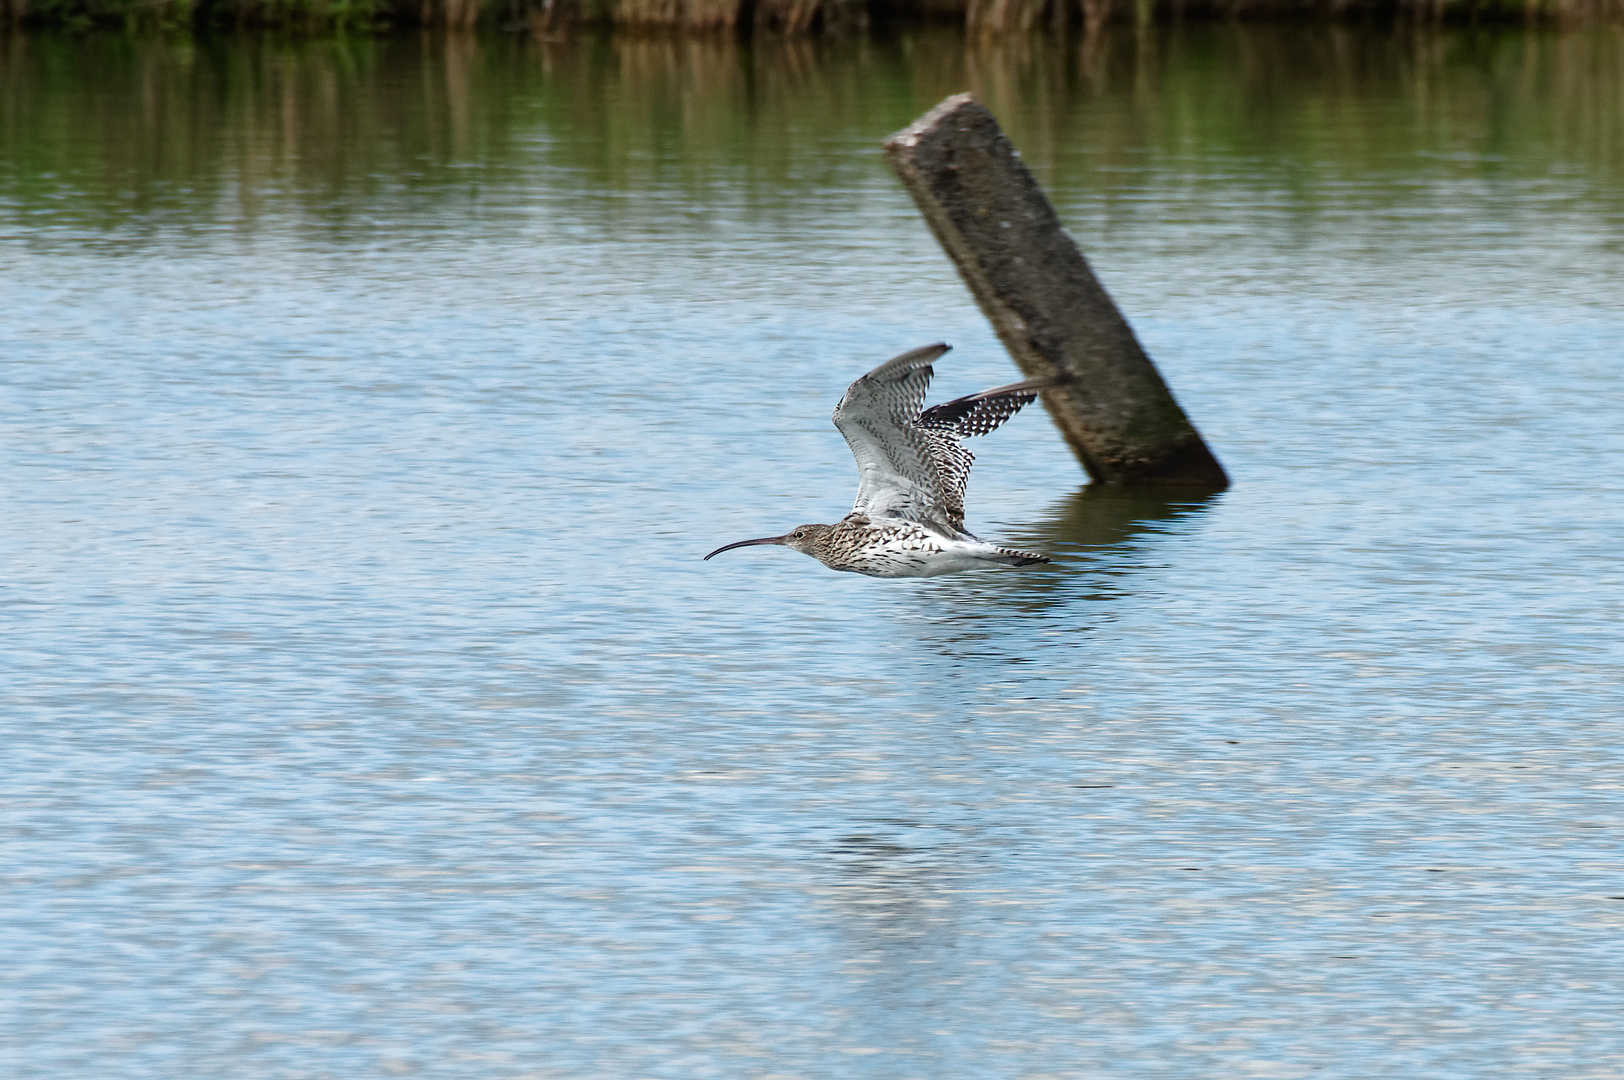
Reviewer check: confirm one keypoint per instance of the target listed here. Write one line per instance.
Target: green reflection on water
(109, 131)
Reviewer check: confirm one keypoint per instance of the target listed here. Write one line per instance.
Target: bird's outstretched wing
(911, 464)
(879, 416)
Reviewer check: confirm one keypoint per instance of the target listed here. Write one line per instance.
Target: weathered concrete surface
(1051, 313)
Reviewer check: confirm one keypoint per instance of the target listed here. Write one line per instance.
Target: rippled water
(368, 711)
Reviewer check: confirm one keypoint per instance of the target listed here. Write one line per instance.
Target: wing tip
(914, 359)
(1025, 386)
(904, 364)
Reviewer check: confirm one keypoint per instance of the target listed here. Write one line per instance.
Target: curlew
(908, 520)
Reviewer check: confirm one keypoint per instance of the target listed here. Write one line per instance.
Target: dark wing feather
(961, 418)
(980, 414)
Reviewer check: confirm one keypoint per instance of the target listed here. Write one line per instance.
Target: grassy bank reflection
(767, 17)
(115, 131)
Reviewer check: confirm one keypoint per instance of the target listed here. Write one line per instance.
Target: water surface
(368, 711)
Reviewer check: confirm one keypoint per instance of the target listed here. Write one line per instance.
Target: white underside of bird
(908, 520)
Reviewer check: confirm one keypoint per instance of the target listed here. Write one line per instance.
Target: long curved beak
(749, 543)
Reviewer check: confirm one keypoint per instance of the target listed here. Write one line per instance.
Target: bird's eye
(800, 534)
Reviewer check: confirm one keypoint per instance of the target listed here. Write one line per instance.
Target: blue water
(368, 710)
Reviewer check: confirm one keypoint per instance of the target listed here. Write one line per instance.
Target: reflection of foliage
(176, 14)
(771, 16)
(140, 128)
(84, 14)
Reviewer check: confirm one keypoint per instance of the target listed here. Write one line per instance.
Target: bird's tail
(1009, 557)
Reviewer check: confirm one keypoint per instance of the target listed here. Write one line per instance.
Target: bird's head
(803, 538)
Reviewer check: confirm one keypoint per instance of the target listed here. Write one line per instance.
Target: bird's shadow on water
(1101, 539)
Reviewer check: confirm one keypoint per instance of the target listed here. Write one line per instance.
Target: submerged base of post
(1047, 307)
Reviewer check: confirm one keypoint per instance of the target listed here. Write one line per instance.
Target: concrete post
(1044, 302)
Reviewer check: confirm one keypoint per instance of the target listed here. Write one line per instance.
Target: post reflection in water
(1102, 537)
(895, 899)
(1101, 518)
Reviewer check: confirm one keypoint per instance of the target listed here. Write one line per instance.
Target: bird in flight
(908, 520)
